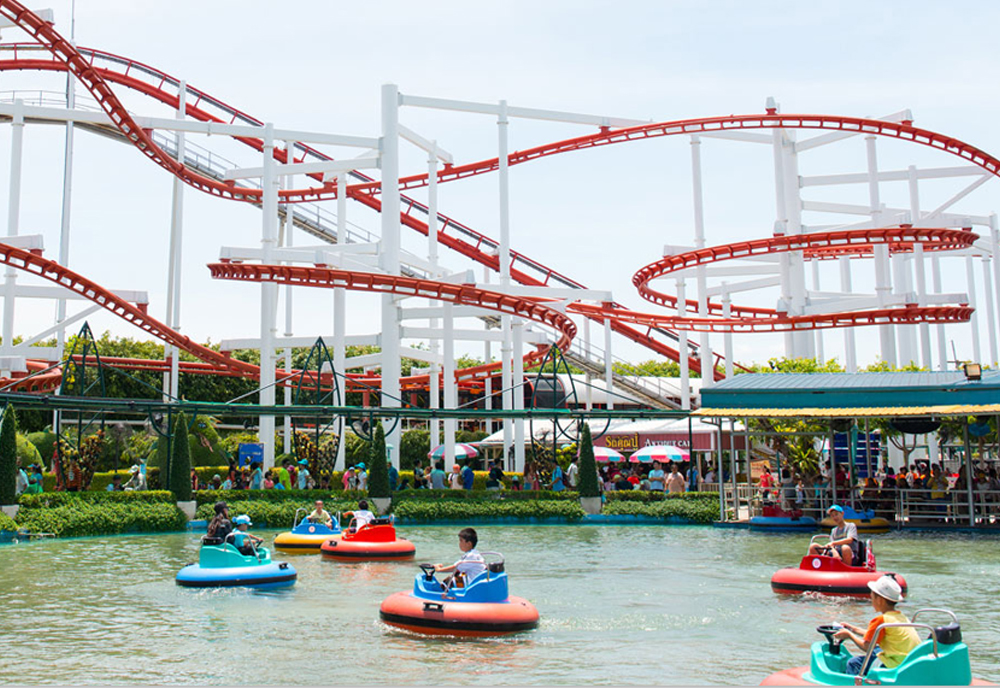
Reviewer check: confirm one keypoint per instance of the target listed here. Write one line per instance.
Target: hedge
(647, 496)
(481, 495)
(7, 523)
(84, 517)
(702, 511)
(57, 499)
(277, 496)
(444, 510)
(269, 514)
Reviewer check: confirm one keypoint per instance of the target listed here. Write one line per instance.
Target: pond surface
(619, 605)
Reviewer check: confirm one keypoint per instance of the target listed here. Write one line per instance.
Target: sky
(596, 216)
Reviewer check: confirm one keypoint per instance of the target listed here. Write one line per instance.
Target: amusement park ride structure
(531, 305)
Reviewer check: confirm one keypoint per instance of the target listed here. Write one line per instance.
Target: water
(619, 605)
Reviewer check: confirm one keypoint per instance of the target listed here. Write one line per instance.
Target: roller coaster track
(66, 57)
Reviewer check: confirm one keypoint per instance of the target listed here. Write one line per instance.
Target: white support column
(13, 226)
(389, 259)
(172, 379)
(682, 344)
(991, 314)
(434, 381)
(920, 266)
(819, 334)
(906, 352)
(67, 202)
(850, 348)
(287, 445)
(340, 318)
(705, 350)
(977, 354)
(268, 295)
(727, 340)
(450, 388)
(780, 224)
(609, 359)
(883, 284)
(504, 258)
(939, 329)
(586, 353)
(518, 362)
(488, 358)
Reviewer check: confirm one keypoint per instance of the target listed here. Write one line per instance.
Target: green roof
(851, 390)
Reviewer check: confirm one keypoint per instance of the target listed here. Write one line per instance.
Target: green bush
(482, 495)
(378, 475)
(83, 517)
(587, 484)
(27, 452)
(446, 510)
(413, 446)
(278, 496)
(180, 461)
(8, 457)
(45, 443)
(267, 514)
(355, 449)
(646, 496)
(703, 511)
(7, 523)
(57, 499)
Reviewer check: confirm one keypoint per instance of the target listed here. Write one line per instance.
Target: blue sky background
(597, 216)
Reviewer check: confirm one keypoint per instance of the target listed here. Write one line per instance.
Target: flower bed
(450, 510)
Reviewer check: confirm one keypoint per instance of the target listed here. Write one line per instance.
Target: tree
(588, 467)
(180, 461)
(8, 457)
(378, 476)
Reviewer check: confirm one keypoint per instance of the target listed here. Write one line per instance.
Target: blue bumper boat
(224, 566)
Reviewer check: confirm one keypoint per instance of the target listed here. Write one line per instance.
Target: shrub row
(482, 495)
(700, 511)
(267, 514)
(57, 499)
(643, 496)
(87, 518)
(444, 510)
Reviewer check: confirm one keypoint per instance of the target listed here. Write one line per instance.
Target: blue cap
(835, 507)
(303, 462)
(242, 519)
(360, 466)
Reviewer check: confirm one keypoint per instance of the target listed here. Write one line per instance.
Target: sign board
(250, 452)
(628, 443)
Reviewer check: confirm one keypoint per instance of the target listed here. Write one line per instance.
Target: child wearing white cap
(892, 644)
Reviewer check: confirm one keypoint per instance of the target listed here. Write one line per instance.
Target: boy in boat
(320, 515)
(243, 540)
(892, 644)
(362, 516)
(843, 538)
(471, 563)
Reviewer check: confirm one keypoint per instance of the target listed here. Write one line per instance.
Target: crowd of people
(655, 478)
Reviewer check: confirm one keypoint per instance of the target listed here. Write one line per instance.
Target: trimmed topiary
(588, 467)
(8, 457)
(378, 476)
(180, 461)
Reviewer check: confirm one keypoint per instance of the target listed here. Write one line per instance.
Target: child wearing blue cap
(843, 538)
(243, 540)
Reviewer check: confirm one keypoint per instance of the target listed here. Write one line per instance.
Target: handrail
(871, 647)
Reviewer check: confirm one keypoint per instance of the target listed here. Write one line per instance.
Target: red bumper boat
(375, 541)
(831, 576)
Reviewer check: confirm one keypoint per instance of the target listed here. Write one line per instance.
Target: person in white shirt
(470, 565)
(572, 474)
(361, 515)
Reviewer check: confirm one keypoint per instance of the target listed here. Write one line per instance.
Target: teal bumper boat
(940, 660)
(223, 566)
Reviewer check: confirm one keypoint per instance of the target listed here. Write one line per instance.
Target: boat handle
(433, 607)
(283, 565)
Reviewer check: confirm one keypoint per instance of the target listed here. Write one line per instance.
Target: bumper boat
(776, 520)
(481, 608)
(830, 575)
(375, 541)
(866, 521)
(306, 537)
(941, 660)
(224, 566)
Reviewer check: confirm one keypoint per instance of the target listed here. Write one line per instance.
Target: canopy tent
(692, 434)
(541, 431)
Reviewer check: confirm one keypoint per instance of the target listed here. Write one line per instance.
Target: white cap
(887, 587)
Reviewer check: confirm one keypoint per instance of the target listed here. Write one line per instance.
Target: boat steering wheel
(829, 631)
(428, 570)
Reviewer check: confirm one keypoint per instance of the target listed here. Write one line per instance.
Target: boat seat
(949, 634)
(495, 567)
(212, 541)
(381, 521)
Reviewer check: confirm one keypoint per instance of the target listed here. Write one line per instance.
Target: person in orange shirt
(892, 644)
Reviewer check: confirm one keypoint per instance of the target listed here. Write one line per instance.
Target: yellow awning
(860, 412)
